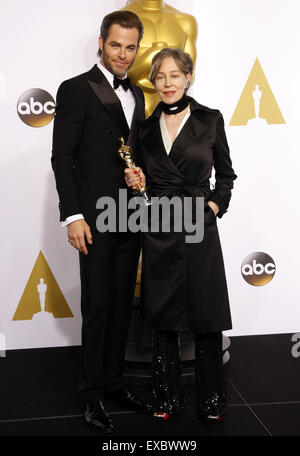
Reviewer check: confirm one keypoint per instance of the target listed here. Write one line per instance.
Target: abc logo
(258, 269)
(36, 107)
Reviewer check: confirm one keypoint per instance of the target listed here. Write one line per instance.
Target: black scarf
(176, 107)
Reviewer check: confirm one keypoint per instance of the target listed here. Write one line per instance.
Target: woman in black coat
(183, 283)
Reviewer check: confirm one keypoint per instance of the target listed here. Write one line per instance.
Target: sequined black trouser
(209, 373)
(167, 385)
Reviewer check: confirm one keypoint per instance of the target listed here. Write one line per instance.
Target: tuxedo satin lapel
(110, 101)
(192, 130)
(137, 114)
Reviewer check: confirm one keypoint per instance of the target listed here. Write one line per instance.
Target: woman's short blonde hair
(182, 59)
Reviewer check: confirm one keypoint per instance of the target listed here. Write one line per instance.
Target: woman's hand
(134, 177)
(214, 207)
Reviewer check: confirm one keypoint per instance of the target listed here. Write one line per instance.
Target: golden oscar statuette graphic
(42, 296)
(164, 26)
(125, 153)
(257, 104)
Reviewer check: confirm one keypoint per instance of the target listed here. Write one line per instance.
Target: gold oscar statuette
(125, 153)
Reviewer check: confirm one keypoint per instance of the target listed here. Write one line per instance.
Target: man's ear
(101, 42)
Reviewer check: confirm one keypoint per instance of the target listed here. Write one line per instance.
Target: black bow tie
(125, 83)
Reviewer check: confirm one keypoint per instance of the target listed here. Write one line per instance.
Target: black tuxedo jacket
(88, 123)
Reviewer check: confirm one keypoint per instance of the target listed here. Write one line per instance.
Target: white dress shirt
(127, 101)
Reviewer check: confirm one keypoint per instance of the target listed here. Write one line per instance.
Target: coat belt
(180, 190)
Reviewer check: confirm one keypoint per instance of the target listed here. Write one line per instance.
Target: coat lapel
(192, 130)
(108, 98)
(154, 143)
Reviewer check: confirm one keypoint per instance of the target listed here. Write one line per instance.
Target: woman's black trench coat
(184, 284)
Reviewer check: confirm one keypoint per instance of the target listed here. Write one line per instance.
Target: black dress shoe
(126, 399)
(97, 418)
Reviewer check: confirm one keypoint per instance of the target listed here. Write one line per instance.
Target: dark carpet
(38, 398)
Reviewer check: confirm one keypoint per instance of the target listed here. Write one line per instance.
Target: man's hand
(78, 232)
(135, 177)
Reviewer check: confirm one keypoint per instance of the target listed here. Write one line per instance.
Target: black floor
(38, 395)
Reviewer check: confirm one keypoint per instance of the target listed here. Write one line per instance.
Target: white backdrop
(42, 43)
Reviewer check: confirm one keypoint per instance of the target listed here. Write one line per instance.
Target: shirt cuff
(71, 219)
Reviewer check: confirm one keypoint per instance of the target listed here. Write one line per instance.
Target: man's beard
(113, 71)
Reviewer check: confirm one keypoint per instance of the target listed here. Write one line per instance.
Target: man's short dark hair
(126, 19)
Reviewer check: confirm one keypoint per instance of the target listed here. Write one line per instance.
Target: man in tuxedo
(93, 111)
